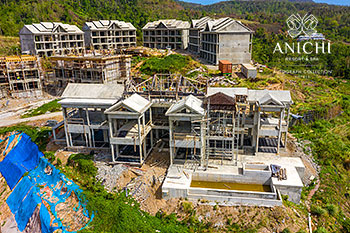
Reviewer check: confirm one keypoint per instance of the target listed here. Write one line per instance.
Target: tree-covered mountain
(333, 19)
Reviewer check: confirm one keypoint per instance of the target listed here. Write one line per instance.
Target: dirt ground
(11, 110)
(144, 185)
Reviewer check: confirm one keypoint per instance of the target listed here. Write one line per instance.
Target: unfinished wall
(235, 48)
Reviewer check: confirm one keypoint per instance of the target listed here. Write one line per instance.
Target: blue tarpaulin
(44, 185)
(22, 158)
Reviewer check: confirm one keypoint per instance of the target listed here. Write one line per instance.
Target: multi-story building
(109, 34)
(231, 135)
(88, 69)
(226, 39)
(49, 38)
(194, 37)
(20, 76)
(162, 34)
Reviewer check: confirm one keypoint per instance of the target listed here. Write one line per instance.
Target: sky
(335, 2)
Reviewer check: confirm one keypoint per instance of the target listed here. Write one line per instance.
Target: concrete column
(257, 131)
(88, 123)
(113, 156)
(171, 140)
(111, 135)
(202, 142)
(64, 111)
(242, 132)
(233, 134)
(140, 141)
(279, 130)
(287, 121)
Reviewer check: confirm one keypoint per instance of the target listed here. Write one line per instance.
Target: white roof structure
(264, 96)
(95, 95)
(226, 25)
(107, 24)
(50, 27)
(268, 99)
(230, 91)
(200, 23)
(93, 91)
(190, 102)
(134, 103)
(278, 97)
(137, 103)
(167, 23)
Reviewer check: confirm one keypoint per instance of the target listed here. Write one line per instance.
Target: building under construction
(212, 134)
(197, 123)
(20, 76)
(89, 69)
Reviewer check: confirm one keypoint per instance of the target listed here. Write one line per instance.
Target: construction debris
(109, 175)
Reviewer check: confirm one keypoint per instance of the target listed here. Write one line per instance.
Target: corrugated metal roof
(93, 91)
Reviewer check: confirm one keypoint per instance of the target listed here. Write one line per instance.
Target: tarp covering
(23, 158)
(60, 199)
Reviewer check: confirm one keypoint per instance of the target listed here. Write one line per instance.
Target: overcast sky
(336, 2)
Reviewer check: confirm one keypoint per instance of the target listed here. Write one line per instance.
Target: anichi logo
(308, 42)
(298, 25)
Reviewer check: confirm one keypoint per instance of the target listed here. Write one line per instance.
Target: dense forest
(334, 21)
(266, 18)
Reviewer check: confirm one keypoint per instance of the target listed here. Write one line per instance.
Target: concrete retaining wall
(233, 193)
(294, 193)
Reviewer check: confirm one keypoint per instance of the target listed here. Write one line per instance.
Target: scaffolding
(89, 69)
(20, 76)
(166, 87)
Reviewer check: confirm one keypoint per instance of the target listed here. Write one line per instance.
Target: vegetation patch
(174, 63)
(38, 135)
(52, 106)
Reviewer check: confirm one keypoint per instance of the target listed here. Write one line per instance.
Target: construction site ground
(144, 184)
(12, 109)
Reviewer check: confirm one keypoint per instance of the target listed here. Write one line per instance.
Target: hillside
(334, 21)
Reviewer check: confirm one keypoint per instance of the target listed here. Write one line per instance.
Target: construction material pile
(45, 200)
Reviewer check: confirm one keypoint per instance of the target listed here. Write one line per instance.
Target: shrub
(286, 230)
(58, 162)
(187, 206)
(317, 210)
(83, 163)
(50, 156)
(332, 209)
(321, 230)
(346, 225)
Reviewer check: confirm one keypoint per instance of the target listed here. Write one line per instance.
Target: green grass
(174, 63)
(122, 213)
(52, 106)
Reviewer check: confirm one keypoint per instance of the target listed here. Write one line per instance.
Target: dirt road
(8, 122)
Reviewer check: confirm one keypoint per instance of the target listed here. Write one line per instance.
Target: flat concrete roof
(93, 91)
(230, 91)
(87, 102)
(290, 163)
